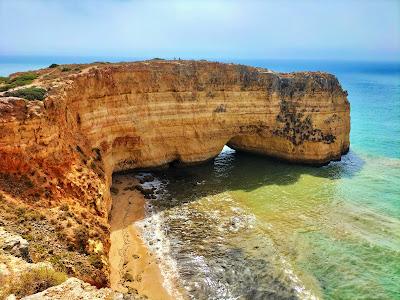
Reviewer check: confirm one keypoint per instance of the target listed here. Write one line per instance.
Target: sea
(248, 227)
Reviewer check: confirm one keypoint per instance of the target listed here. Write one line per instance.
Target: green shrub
(5, 87)
(35, 281)
(57, 262)
(53, 66)
(81, 238)
(23, 79)
(20, 80)
(4, 79)
(30, 93)
(95, 261)
(65, 69)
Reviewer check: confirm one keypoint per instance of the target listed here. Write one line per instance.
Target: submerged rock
(146, 178)
(145, 190)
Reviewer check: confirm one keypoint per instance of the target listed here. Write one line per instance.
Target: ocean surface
(248, 227)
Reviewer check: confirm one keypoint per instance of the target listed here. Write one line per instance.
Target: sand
(133, 267)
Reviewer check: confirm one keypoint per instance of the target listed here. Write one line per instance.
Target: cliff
(100, 118)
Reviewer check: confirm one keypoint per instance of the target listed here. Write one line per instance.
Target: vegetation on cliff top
(29, 93)
(10, 83)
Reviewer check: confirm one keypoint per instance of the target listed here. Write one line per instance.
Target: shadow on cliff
(232, 170)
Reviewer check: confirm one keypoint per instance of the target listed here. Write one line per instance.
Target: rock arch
(150, 113)
(102, 118)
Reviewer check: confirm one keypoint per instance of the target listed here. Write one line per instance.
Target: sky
(287, 29)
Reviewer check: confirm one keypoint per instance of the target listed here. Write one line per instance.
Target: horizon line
(126, 58)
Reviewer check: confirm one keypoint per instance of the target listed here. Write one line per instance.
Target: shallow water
(245, 227)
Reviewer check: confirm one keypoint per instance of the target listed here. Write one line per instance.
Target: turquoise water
(247, 227)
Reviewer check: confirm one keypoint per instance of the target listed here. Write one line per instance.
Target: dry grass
(61, 238)
(32, 282)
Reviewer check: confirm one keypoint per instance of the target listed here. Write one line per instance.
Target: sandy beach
(133, 267)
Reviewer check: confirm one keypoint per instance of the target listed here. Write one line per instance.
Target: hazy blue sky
(339, 29)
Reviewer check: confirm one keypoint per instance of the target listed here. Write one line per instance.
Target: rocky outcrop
(100, 118)
(14, 245)
(74, 288)
(15, 261)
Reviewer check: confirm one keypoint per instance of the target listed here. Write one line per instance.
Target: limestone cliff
(100, 118)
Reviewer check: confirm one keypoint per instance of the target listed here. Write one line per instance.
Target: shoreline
(133, 267)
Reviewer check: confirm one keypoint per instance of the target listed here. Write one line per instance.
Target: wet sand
(133, 267)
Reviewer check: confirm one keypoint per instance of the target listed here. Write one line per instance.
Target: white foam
(301, 290)
(153, 234)
(159, 245)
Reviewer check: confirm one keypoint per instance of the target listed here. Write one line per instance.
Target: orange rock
(113, 117)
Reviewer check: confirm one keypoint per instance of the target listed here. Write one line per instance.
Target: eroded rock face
(113, 117)
(149, 114)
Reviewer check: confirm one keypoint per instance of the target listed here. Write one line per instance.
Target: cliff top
(33, 85)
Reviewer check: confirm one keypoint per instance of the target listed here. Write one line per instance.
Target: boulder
(14, 245)
(145, 190)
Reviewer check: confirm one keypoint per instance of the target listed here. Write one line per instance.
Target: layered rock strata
(101, 118)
